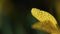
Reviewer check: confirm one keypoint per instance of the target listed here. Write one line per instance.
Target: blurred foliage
(16, 17)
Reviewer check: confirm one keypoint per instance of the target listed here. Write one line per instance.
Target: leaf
(47, 22)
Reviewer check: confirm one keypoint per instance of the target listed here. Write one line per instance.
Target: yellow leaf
(47, 22)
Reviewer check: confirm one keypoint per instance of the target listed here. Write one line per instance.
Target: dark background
(17, 18)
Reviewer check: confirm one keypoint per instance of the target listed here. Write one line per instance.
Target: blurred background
(16, 18)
